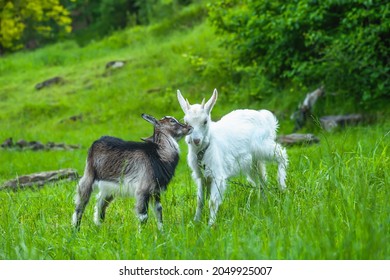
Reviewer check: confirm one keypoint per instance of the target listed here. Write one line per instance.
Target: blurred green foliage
(343, 45)
(269, 47)
(29, 22)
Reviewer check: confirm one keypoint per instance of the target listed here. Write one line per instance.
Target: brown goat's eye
(172, 121)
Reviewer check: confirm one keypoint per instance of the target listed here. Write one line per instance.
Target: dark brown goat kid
(138, 169)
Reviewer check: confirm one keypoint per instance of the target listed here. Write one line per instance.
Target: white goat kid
(237, 144)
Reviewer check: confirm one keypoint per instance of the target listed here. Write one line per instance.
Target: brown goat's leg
(84, 190)
(142, 207)
(158, 209)
(100, 208)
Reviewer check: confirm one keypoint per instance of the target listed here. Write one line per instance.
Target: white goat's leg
(200, 200)
(282, 176)
(282, 160)
(272, 151)
(263, 170)
(253, 177)
(251, 180)
(259, 181)
(216, 195)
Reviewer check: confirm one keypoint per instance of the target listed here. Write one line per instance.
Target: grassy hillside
(336, 205)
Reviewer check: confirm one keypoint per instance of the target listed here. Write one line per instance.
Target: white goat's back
(241, 123)
(239, 138)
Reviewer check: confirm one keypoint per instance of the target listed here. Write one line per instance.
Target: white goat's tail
(270, 122)
(270, 149)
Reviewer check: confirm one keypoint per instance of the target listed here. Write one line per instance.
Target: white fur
(107, 189)
(239, 143)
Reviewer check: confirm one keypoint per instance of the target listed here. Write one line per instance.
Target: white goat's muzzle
(196, 138)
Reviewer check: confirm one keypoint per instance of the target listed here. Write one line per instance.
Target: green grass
(336, 205)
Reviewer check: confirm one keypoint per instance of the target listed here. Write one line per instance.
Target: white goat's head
(197, 116)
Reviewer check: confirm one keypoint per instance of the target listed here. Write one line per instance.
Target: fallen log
(329, 123)
(113, 65)
(297, 139)
(49, 82)
(8, 143)
(36, 145)
(74, 118)
(154, 90)
(39, 179)
(305, 108)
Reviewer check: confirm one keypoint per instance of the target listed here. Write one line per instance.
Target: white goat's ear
(184, 104)
(150, 119)
(210, 104)
(203, 102)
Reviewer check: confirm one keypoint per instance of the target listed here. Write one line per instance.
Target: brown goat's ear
(150, 119)
(149, 139)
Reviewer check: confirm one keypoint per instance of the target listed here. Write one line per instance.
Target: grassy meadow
(337, 202)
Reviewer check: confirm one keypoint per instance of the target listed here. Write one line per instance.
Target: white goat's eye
(205, 122)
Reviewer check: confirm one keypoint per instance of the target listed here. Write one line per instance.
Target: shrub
(340, 44)
(27, 23)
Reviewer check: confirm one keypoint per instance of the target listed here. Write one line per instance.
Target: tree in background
(27, 22)
(31, 23)
(94, 19)
(343, 45)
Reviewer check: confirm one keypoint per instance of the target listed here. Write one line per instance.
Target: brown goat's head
(167, 125)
